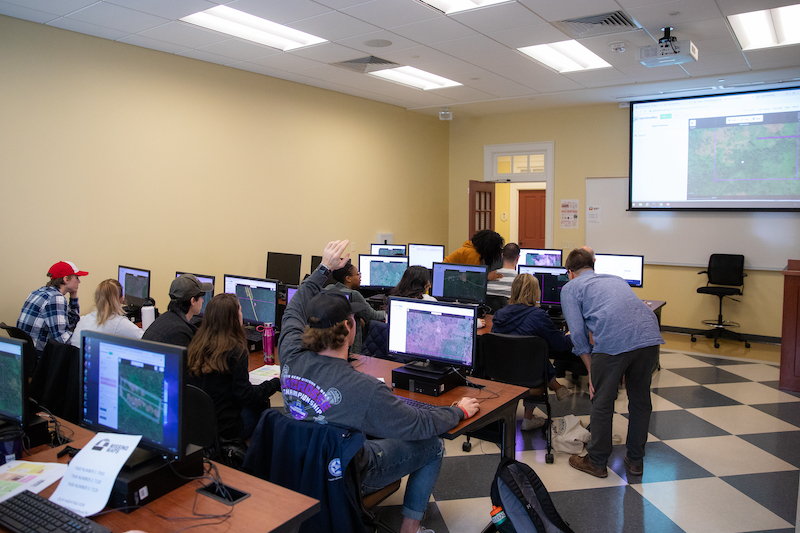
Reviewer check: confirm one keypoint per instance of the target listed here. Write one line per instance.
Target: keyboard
(26, 512)
(253, 335)
(416, 403)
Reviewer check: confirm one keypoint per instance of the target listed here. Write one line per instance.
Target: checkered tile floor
(723, 456)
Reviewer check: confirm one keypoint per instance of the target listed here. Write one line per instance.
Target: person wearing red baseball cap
(46, 313)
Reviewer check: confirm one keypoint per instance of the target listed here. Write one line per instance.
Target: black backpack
(524, 499)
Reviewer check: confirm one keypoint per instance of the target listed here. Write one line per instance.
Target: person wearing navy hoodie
(523, 316)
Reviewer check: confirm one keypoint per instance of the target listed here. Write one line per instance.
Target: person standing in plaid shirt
(46, 313)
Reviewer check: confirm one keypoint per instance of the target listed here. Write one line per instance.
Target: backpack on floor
(524, 499)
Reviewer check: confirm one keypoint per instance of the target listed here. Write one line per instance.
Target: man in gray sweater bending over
(320, 386)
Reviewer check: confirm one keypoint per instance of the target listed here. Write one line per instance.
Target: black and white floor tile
(723, 456)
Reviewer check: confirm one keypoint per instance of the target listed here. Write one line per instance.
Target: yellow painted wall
(114, 154)
(592, 141)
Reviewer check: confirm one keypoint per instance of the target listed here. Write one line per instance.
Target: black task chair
(725, 279)
(28, 349)
(376, 341)
(56, 383)
(518, 360)
(200, 421)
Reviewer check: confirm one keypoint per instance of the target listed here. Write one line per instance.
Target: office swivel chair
(518, 360)
(726, 274)
(28, 349)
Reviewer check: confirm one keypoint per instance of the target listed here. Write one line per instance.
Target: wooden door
(532, 209)
(481, 206)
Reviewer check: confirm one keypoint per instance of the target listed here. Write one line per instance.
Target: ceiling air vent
(604, 24)
(363, 65)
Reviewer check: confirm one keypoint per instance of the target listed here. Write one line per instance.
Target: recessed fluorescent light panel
(767, 28)
(414, 77)
(251, 28)
(565, 56)
(456, 6)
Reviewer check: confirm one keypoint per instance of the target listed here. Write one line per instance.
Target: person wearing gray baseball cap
(320, 386)
(186, 300)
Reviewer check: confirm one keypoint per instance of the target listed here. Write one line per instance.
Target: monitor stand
(429, 367)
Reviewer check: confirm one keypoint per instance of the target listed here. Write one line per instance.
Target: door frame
(514, 210)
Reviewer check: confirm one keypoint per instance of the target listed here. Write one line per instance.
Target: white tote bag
(569, 436)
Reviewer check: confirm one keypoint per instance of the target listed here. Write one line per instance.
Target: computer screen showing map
(135, 284)
(202, 279)
(539, 257)
(134, 387)
(437, 331)
(384, 271)
(425, 255)
(387, 249)
(257, 296)
(12, 382)
(463, 283)
(628, 267)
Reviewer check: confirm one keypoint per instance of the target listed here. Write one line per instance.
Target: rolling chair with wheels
(725, 279)
(517, 360)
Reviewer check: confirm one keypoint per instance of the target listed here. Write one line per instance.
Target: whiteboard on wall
(686, 238)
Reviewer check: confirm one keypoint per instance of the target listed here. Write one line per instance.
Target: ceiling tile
(280, 11)
(334, 26)
(656, 17)
(16, 11)
(174, 9)
(416, 57)
(469, 46)
(640, 73)
(398, 42)
(117, 18)
(207, 57)
(770, 58)
(529, 36)
(284, 61)
(154, 44)
(239, 50)
(434, 30)
(497, 18)
(501, 87)
(600, 77)
(325, 72)
(184, 34)
(462, 93)
(89, 29)
(327, 53)
(551, 10)
(390, 13)
(339, 4)
(721, 65)
(58, 7)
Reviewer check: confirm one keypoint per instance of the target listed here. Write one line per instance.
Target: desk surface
(269, 507)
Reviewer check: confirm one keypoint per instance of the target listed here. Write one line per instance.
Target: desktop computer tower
(432, 384)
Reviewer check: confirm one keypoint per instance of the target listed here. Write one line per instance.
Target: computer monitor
(135, 387)
(381, 271)
(425, 255)
(284, 267)
(315, 261)
(387, 249)
(290, 291)
(257, 296)
(135, 285)
(202, 279)
(443, 333)
(13, 394)
(628, 267)
(551, 280)
(462, 283)
(539, 257)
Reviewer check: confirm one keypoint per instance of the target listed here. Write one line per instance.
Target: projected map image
(752, 160)
(437, 335)
(385, 274)
(141, 391)
(257, 304)
(542, 260)
(464, 285)
(10, 384)
(137, 286)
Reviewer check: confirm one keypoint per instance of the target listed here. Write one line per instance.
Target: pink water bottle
(269, 344)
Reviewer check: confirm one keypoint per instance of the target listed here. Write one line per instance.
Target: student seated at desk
(523, 316)
(415, 283)
(348, 281)
(186, 300)
(108, 316)
(320, 386)
(217, 362)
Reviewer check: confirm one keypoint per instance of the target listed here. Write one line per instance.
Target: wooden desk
(269, 507)
(498, 401)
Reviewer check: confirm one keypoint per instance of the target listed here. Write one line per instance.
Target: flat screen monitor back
(284, 267)
(135, 285)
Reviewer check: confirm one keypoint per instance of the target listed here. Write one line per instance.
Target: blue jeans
(391, 459)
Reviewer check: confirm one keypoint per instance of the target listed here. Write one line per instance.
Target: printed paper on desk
(87, 485)
(264, 373)
(17, 476)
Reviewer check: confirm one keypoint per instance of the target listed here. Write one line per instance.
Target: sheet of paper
(87, 484)
(16, 476)
(265, 373)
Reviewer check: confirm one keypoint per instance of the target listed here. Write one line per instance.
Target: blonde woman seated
(108, 316)
(523, 316)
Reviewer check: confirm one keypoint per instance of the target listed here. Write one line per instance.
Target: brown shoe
(634, 468)
(585, 465)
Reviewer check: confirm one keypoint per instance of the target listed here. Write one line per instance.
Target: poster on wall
(593, 214)
(569, 214)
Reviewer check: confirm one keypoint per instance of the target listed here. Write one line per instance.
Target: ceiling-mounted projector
(668, 51)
